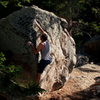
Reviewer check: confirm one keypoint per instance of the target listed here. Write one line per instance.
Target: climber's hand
(29, 43)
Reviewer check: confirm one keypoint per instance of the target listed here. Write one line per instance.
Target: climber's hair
(44, 37)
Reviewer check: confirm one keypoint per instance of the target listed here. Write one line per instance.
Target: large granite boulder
(19, 27)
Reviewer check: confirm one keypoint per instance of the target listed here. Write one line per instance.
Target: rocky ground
(78, 86)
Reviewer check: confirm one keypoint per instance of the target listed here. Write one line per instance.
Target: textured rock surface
(19, 27)
(81, 60)
(78, 86)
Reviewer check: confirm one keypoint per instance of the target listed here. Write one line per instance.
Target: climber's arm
(38, 49)
(40, 28)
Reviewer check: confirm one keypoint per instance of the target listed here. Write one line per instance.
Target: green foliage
(9, 86)
(89, 21)
(16, 90)
(90, 16)
(10, 70)
(9, 6)
(18, 3)
(2, 59)
(4, 3)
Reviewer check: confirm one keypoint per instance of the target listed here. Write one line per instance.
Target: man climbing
(44, 49)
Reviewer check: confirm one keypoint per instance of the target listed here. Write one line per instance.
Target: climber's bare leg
(38, 75)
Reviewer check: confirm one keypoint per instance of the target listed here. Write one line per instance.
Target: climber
(44, 49)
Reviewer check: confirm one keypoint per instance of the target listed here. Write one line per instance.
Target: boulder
(82, 60)
(19, 27)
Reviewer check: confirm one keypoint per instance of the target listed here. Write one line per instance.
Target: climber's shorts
(42, 64)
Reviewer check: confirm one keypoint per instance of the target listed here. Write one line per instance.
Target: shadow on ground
(89, 70)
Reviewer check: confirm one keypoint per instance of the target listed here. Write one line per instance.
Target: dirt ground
(78, 86)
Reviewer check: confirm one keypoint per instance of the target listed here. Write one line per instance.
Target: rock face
(19, 27)
(82, 85)
(81, 60)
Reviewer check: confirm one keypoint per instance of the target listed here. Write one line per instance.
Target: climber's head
(43, 37)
